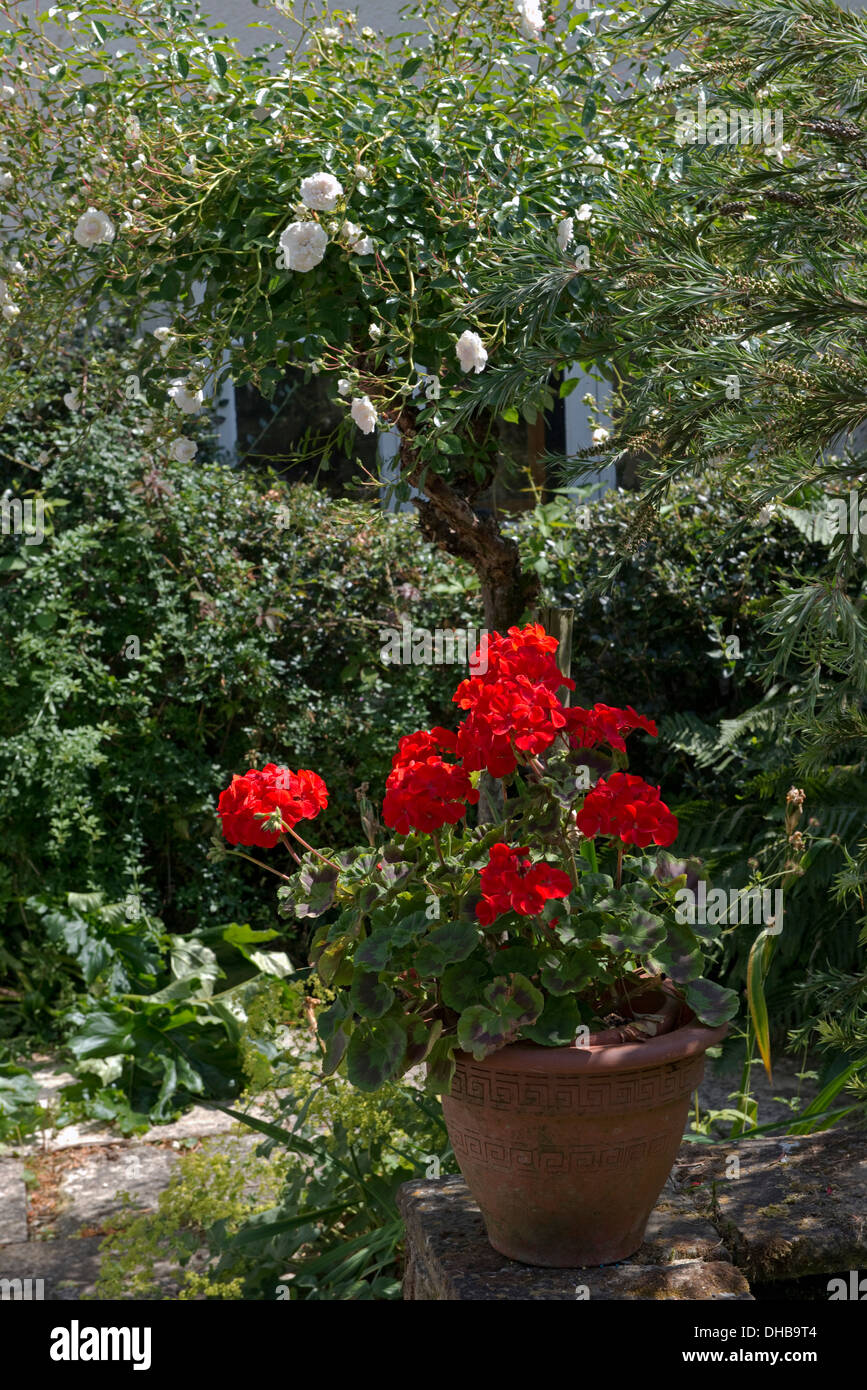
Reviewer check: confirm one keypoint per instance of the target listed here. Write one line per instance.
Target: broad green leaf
(375, 1053)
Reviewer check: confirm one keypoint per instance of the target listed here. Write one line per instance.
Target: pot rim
(687, 1041)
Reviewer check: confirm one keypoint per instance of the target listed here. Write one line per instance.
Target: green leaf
(557, 1024)
(462, 984)
(679, 955)
(452, 942)
(569, 972)
(370, 997)
(375, 1053)
(757, 968)
(513, 1003)
(711, 1003)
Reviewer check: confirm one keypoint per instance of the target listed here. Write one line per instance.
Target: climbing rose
(297, 795)
(511, 883)
(424, 792)
(183, 450)
(321, 192)
(629, 809)
(364, 414)
(531, 17)
(93, 228)
(188, 399)
(471, 352)
(303, 245)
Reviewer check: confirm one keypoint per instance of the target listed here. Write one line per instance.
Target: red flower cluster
(628, 808)
(512, 883)
(423, 791)
(605, 724)
(526, 651)
(504, 713)
(297, 795)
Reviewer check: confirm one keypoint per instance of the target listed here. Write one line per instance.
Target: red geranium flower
(512, 883)
(502, 713)
(605, 724)
(297, 795)
(423, 791)
(629, 809)
(526, 651)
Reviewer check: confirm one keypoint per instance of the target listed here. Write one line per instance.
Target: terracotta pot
(567, 1149)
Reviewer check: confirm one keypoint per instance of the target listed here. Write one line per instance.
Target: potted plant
(535, 965)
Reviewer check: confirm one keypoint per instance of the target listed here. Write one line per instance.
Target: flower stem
(258, 863)
(312, 849)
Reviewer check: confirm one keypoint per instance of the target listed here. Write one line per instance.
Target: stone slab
(69, 1268)
(13, 1202)
(88, 1194)
(449, 1257)
(790, 1207)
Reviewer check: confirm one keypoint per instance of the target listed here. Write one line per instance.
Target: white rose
(6, 93)
(584, 213)
(363, 247)
(367, 33)
(10, 311)
(6, 179)
(187, 400)
(350, 232)
(531, 17)
(93, 228)
(600, 435)
(375, 332)
(321, 192)
(89, 110)
(17, 268)
(166, 339)
(364, 414)
(344, 387)
(471, 352)
(183, 450)
(362, 171)
(303, 245)
(330, 35)
(72, 400)
(565, 232)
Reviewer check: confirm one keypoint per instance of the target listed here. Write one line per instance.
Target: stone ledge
(449, 1257)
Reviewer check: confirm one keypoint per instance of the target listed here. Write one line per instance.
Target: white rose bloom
(10, 311)
(584, 213)
(187, 400)
(362, 171)
(364, 414)
(321, 192)
(17, 268)
(600, 435)
(89, 110)
(183, 450)
(329, 35)
(367, 33)
(565, 232)
(6, 93)
(471, 352)
(363, 247)
(6, 179)
(93, 228)
(375, 332)
(166, 339)
(531, 17)
(344, 387)
(350, 232)
(303, 245)
(72, 400)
